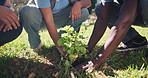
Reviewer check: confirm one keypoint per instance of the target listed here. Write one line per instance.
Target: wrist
(60, 49)
(78, 3)
(8, 3)
(11, 8)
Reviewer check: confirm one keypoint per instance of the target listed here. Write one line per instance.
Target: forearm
(50, 26)
(98, 32)
(100, 25)
(7, 3)
(84, 3)
(127, 15)
(53, 33)
(48, 17)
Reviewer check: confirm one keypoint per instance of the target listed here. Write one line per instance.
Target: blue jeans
(32, 20)
(141, 19)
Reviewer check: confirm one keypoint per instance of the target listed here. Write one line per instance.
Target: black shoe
(137, 42)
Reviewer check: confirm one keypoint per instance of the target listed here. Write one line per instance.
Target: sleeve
(43, 3)
(2, 2)
(106, 0)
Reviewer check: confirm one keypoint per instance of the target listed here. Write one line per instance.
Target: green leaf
(67, 63)
(86, 56)
(83, 50)
(60, 42)
(71, 29)
(69, 51)
(64, 35)
(65, 49)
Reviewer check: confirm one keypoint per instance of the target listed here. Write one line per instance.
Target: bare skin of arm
(100, 25)
(8, 18)
(48, 17)
(7, 3)
(127, 15)
(76, 10)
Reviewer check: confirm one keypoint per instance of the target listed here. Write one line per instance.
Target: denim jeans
(141, 19)
(32, 20)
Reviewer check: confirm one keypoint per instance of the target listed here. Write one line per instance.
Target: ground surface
(17, 60)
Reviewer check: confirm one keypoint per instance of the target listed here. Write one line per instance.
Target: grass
(17, 60)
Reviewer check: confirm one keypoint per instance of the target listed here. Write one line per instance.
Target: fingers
(80, 68)
(15, 18)
(64, 54)
(6, 29)
(74, 16)
(88, 66)
(11, 20)
(2, 26)
(5, 21)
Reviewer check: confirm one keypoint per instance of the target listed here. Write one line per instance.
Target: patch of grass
(17, 60)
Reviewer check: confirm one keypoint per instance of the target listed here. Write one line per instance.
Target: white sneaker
(38, 48)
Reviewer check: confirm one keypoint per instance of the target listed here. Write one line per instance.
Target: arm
(84, 3)
(48, 17)
(100, 25)
(98, 31)
(7, 3)
(76, 10)
(127, 15)
(8, 18)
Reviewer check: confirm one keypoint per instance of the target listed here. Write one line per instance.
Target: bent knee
(29, 12)
(85, 13)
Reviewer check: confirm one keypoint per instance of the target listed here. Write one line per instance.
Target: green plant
(74, 44)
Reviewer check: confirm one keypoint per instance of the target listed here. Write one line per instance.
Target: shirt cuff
(43, 3)
(106, 0)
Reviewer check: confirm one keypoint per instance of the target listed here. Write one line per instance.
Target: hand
(9, 18)
(3, 27)
(60, 49)
(75, 12)
(88, 66)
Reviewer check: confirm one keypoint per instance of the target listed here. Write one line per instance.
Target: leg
(116, 8)
(31, 19)
(67, 21)
(132, 34)
(144, 11)
(8, 36)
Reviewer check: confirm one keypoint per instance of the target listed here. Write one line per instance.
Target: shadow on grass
(118, 60)
(15, 67)
(22, 68)
(51, 53)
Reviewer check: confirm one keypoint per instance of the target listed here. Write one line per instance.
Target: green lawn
(17, 60)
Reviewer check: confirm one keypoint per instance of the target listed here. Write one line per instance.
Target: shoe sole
(132, 49)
